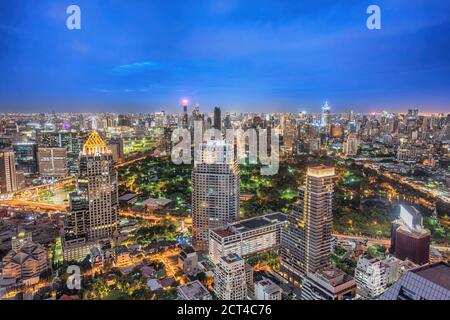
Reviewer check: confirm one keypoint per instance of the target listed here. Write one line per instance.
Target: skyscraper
(93, 210)
(215, 191)
(52, 162)
(217, 118)
(185, 120)
(325, 121)
(306, 242)
(8, 180)
(230, 281)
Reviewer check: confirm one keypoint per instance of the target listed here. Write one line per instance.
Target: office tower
(328, 284)
(8, 178)
(194, 290)
(325, 120)
(409, 240)
(185, 120)
(26, 157)
(370, 277)
(351, 145)
(306, 242)
(124, 120)
(266, 289)
(116, 148)
(230, 281)
(52, 162)
(430, 282)
(93, 212)
(247, 237)
(217, 118)
(215, 191)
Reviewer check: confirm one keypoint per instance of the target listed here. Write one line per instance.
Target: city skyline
(255, 56)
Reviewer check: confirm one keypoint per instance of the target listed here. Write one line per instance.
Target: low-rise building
(266, 289)
(328, 284)
(370, 277)
(430, 282)
(188, 260)
(247, 237)
(194, 290)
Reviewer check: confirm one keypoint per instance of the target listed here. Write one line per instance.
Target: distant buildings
(52, 162)
(370, 277)
(215, 191)
(8, 175)
(351, 145)
(306, 242)
(409, 240)
(266, 289)
(230, 280)
(328, 284)
(217, 118)
(430, 282)
(194, 290)
(26, 157)
(247, 237)
(93, 213)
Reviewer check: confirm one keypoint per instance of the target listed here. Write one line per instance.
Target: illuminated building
(52, 162)
(325, 120)
(25, 262)
(371, 277)
(328, 284)
(230, 280)
(93, 213)
(247, 237)
(351, 145)
(8, 176)
(194, 290)
(409, 240)
(26, 157)
(430, 282)
(306, 242)
(215, 191)
(188, 260)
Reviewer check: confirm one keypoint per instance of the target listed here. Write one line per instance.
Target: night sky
(242, 55)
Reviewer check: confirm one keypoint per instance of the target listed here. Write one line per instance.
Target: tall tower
(230, 278)
(94, 206)
(8, 178)
(217, 118)
(185, 120)
(215, 191)
(325, 121)
(306, 243)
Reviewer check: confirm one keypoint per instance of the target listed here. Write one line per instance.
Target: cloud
(137, 67)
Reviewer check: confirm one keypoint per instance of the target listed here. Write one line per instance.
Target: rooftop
(194, 290)
(438, 273)
(258, 222)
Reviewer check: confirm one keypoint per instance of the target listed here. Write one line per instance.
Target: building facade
(306, 242)
(8, 176)
(230, 279)
(215, 191)
(247, 237)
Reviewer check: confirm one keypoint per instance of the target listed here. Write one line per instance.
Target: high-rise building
(26, 157)
(370, 277)
(217, 118)
(215, 191)
(52, 162)
(351, 145)
(230, 281)
(430, 282)
(306, 242)
(325, 120)
(328, 284)
(93, 213)
(185, 120)
(409, 240)
(8, 177)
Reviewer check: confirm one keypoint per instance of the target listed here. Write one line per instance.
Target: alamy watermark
(211, 147)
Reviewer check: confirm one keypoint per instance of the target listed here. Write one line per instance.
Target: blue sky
(243, 55)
